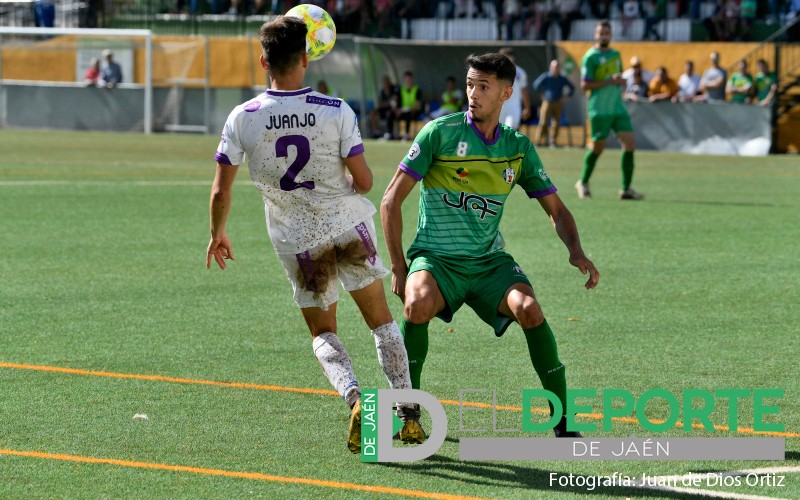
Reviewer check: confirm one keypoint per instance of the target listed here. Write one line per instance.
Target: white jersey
(511, 114)
(295, 142)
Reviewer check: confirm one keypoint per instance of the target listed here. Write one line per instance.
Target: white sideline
(717, 493)
(105, 183)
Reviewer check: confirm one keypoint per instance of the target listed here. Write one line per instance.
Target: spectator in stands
(765, 84)
(636, 89)
(383, 9)
(569, 10)
(110, 71)
(600, 9)
(518, 108)
(717, 24)
(688, 84)
(630, 12)
(452, 100)
(520, 12)
(551, 85)
(410, 102)
(662, 87)
(468, 8)
(562, 12)
(636, 64)
(92, 76)
(725, 21)
(388, 99)
(747, 12)
(740, 84)
(712, 84)
(659, 13)
(44, 13)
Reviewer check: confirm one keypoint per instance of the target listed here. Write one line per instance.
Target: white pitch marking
(104, 183)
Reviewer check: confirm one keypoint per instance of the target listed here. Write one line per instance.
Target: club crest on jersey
(474, 202)
(518, 270)
(543, 174)
(509, 175)
(414, 151)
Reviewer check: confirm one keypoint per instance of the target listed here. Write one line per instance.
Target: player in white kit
(517, 109)
(300, 146)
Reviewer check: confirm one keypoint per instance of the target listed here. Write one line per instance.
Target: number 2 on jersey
(303, 150)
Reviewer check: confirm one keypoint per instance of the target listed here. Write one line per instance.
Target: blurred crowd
(397, 106)
(724, 19)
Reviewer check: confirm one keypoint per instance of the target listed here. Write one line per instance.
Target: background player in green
(765, 84)
(740, 84)
(601, 74)
(468, 163)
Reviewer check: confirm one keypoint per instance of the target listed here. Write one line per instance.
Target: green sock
(415, 336)
(627, 169)
(589, 161)
(544, 356)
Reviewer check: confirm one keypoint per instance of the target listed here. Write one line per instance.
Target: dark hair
(493, 63)
(604, 23)
(283, 41)
(762, 61)
(409, 73)
(451, 79)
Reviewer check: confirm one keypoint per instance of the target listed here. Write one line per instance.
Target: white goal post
(128, 33)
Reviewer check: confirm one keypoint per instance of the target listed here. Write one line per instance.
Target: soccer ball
(321, 31)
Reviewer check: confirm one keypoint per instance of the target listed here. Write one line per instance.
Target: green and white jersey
(465, 181)
(764, 83)
(598, 65)
(742, 83)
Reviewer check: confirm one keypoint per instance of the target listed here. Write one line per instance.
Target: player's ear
(507, 92)
(304, 59)
(263, 62)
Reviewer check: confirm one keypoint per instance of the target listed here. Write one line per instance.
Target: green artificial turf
(104, 239)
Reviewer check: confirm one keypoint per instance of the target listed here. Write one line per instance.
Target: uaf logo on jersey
(508, 175)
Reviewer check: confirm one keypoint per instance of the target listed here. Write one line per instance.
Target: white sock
(336, 365)
(392, 355)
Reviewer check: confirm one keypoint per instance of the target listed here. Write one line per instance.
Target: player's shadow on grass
(504, 475)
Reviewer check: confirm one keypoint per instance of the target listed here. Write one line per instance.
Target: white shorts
(352, 257)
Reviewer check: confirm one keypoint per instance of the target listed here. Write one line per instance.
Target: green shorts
(480, 283)
(602, 125)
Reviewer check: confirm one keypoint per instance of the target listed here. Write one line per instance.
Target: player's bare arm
(219, 207)
(392, 220)
(360, 173)
(594, 85)
(567, 230)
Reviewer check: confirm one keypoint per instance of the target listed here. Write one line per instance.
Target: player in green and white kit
(467, 164)
(601, 74)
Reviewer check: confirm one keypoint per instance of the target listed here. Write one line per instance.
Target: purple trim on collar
(287, 93)
(356, 150)
(480, 134)
(405, 168)
(222, 158)
(542, 193)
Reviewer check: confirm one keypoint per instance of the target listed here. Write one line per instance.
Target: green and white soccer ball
(321, 31)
